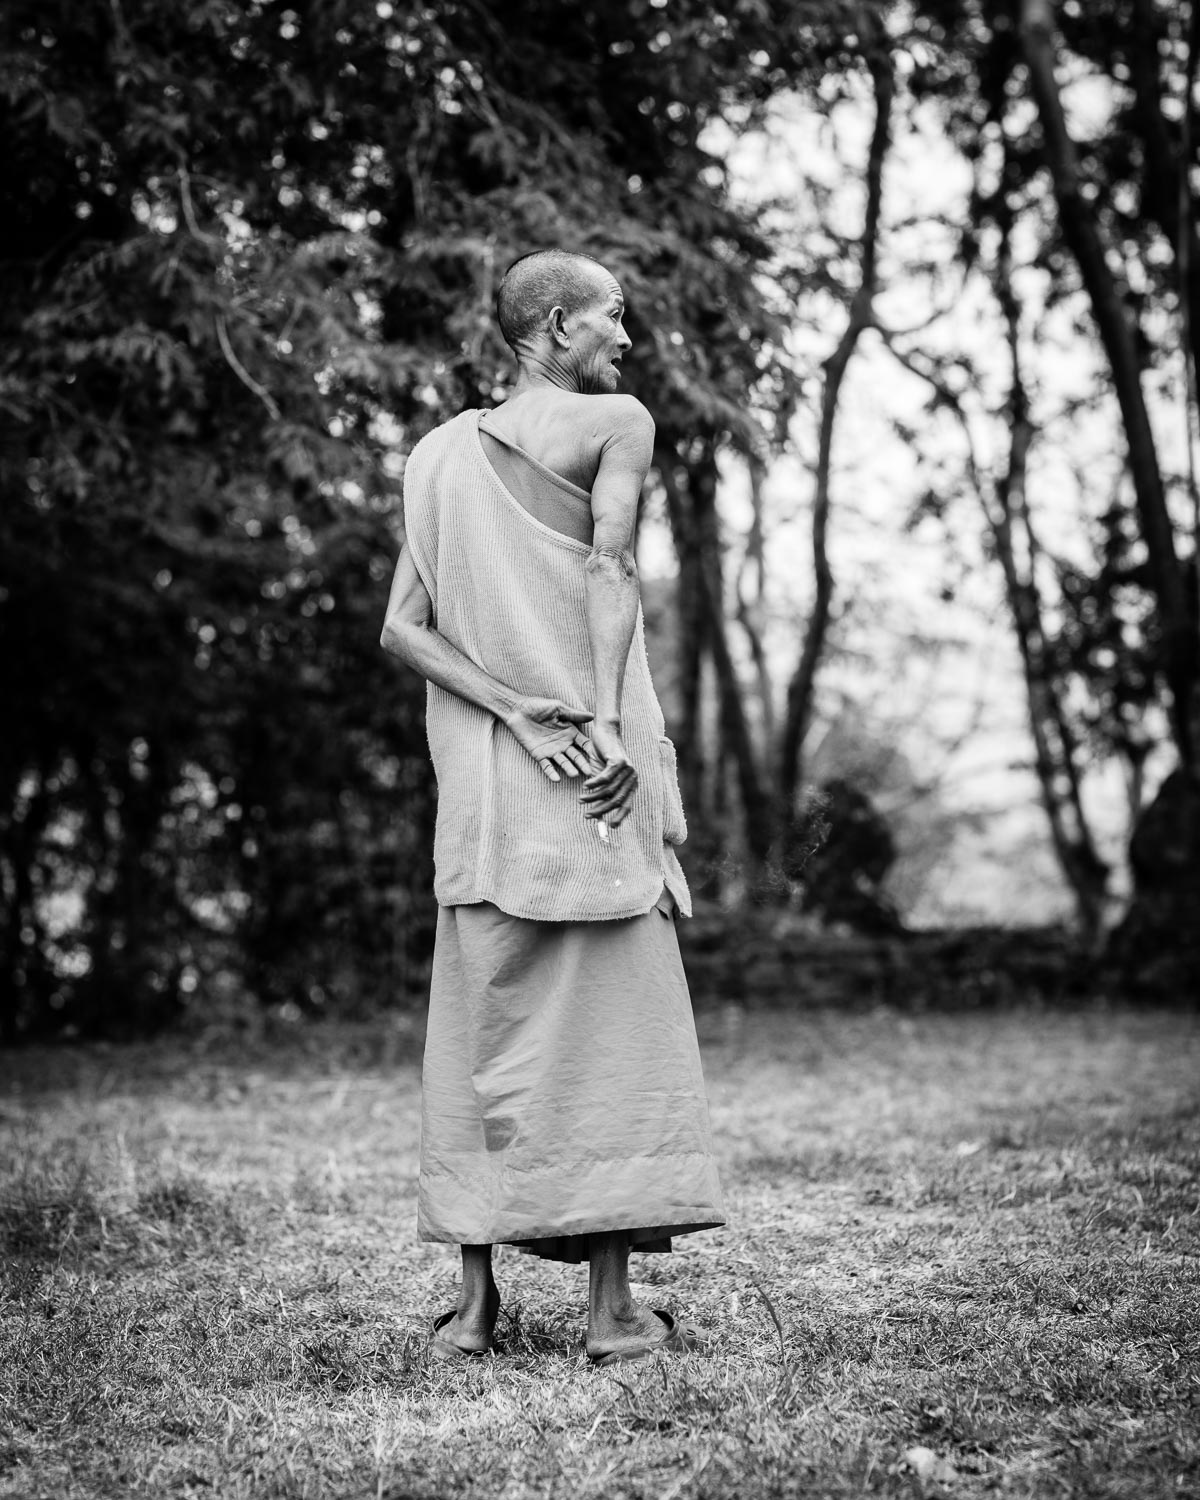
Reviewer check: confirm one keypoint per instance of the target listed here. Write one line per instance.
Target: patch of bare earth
(963, 1258)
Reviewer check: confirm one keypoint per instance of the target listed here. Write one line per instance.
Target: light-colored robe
(562, 1087)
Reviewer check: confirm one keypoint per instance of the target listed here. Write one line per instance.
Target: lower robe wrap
(562, 1088)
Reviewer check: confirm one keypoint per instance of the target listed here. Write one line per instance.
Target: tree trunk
(1006, 513)
(1055, 749)
(1188, 252)
(756, 803)
(694, 521)
(750, 611)
(24, 972)
(692, 631)
(1082, 235)
(1166, 196)
(798, 712)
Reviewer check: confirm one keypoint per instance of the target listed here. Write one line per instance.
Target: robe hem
(528, 1236)
(470, 897)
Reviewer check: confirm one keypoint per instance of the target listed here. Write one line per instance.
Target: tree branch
(240, 370)
(798, 713)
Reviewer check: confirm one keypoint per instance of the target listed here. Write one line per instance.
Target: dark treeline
(249, 255)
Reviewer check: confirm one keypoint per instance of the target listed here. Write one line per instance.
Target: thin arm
(611, 600)
(409, 633)
(612, 582)
(547, 729)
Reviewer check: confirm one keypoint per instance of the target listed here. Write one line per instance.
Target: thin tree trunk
(800, 692)
(1188, 252)
(762, 673)
(1082, 234)
(1167, 199)
(692, 630)
(756, 803)
(694, 519)
(1055, 747)
(750, 612)
(1006, 513)
(1166, 196)
(23, 967)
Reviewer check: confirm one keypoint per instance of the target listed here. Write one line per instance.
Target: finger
(549, 770)
(594, 807)
(564, 763)
(578, 758)
(608, 815)
(575, 715)
(611, 774)
(597, 794)
(605, 803)
(594, 760)
(610, 781)
(620, 790)
(619, 813)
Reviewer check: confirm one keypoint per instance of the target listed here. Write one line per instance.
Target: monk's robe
(562, 1087)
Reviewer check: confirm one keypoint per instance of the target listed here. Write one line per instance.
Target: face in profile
(598, 338)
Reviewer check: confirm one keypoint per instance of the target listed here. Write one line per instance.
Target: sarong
(562, 1088)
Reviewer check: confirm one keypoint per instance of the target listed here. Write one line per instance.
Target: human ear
(558, 331)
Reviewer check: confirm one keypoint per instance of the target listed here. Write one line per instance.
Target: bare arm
(547, 729)
(612, 603)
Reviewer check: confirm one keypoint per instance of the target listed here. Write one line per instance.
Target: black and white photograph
(600, 752)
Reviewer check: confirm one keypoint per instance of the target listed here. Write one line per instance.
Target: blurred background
(912, 290)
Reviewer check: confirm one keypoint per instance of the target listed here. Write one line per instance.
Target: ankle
(479, 1301)
(619, 1313)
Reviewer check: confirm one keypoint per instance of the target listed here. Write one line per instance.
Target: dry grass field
(963, 1259)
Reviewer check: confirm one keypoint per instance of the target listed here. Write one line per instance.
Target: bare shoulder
(576, 435)
(610, 431)
(620, 431)
(620, 416)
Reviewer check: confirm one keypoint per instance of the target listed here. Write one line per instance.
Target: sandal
(440, 1348)
(679, 1338)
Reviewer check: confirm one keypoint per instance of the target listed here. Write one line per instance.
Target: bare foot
(472, 1327)
(634, 1327)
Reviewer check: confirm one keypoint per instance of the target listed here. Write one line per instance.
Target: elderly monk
(563, 1102)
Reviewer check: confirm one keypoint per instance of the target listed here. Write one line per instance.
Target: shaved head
(536, 283)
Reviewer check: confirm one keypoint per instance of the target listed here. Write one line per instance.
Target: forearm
(420, 647)
(612, 605)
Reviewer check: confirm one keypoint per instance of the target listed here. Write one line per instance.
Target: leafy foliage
(251, 252)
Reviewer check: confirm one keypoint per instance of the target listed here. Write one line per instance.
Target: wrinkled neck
(542, 369)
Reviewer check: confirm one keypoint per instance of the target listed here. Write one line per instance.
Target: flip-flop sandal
(678, 1339)
(440, 1348)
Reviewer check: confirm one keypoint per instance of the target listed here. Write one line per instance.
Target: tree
(1116, 232)
(860, 317)
(1082, 233)
(250, 259)
(1004, 505)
